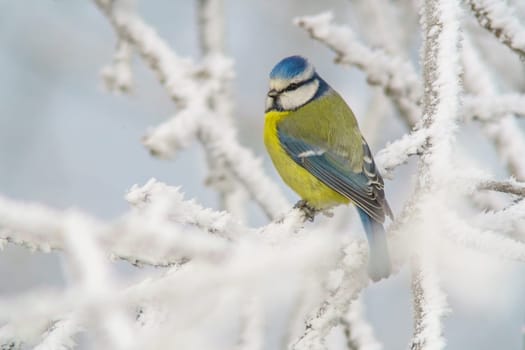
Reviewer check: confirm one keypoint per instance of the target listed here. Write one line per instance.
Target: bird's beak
(273, 93)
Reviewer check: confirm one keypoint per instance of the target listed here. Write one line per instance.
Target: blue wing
(364, 188)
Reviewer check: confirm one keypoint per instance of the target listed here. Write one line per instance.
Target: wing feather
(364, 188)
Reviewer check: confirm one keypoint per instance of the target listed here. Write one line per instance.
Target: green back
(330, 124)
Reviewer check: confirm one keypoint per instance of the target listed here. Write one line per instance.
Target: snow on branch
(358, 332)
(249, 265)
(346, 283)
(498, 18)
(485, 241)
(397, 77)
(117, 76)
(441, 71)
(168, 242)
(429, 305)
(398, 152)
(199, 91)
(170, 200)
(510, 186)
(509, 221)
(489, 108)
(505, 132)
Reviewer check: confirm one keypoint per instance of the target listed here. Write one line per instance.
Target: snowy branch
(397, 77)
(504, 133)
(499, 19)
(429, 306)
(358, 332)
(197, 90)
(493, 107)
(440, 56)
(168, 242)
(349, 279)
(510, 186)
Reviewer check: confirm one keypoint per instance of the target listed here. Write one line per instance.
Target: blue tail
(379, 260)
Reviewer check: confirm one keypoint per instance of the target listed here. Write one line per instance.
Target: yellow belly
(316, 193)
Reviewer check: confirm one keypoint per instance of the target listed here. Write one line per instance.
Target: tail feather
(379, 259)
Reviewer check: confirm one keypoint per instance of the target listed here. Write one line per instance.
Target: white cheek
(298, 97)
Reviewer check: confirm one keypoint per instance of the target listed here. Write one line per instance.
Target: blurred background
(66, 142)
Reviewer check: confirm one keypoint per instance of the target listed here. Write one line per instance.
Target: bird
(315, 144)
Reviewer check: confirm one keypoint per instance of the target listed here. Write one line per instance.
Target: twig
(499, 19)
(358, 332)
(491, 108)
(396, 76)
(509, 186)
(440, 24)
(194, 89)
(429, 306)
(328, 315)
(44, 229)
(504, 133)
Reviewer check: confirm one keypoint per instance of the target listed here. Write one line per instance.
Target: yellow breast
(316, 193)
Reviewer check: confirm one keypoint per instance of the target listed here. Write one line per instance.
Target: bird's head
(293, 83)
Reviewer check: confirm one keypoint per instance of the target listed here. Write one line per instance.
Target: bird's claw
(308, 211)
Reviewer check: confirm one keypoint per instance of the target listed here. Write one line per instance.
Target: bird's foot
(308, 211)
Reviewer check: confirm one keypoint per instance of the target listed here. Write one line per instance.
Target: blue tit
(315, 144)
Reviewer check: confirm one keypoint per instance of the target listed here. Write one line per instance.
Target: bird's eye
(292, 86)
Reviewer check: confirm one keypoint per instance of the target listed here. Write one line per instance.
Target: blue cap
(289, 67)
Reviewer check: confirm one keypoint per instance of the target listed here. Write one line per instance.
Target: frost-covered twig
(44, 229)
(497, 17)
(177, 209)
(440, 25)
(211, 34)
(348, 281)
(510, 186)
(252, 325)
(195, 88)
(248, 268)
(399, 151)
(489, 108)
(508, 221)
(504, 133)
(429, 305)
(60, 335)
(359, 333)
(117, 75)
(397, 77)
(488, 242)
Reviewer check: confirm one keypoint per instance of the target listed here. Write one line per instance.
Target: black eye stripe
(295, 86)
